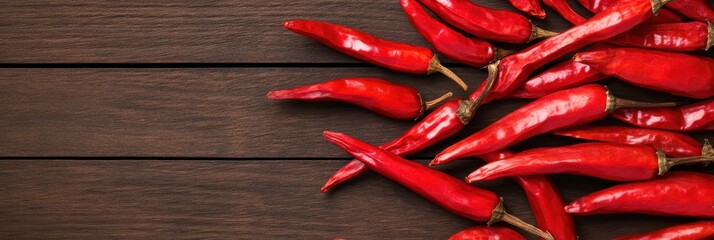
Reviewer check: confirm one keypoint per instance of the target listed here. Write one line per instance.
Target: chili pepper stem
(537, 33)
(435, 66)
(657, 4)
(500, 214)
(468, 108)
(431, 104)
(664, 163)
(500, 53)
(614, 103)
(710, 35)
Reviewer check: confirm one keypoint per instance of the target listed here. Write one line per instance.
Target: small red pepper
(676, 73)
(487, 233)
(562, 109)
(450, 43)
(699, 10)
(675, 194)
(673, 144)
(389, 99)
(486, 23)
(562, 76)
(563, 8)
(609, 161)
(440, 188)
(530, 7)
(689, 36)
(693, 117)
(702, 230)
(389, 54)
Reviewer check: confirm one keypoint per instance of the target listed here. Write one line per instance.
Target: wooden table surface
(148, 120)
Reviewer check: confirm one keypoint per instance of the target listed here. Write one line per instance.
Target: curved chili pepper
(663, 16)
(673, 144)
(563, 8)
(567, 108)
(699, 10)
(689, 36)
(702, 230)
(440, 188)
(675, 73)
(545, 201)
(486, 23)
(609, 161)
(389, 99)
(693, 117)
(514, 69)
(487, 233)
(562, 76)
(530, 7)
(397, 56)
(676, 194)
(450, 43)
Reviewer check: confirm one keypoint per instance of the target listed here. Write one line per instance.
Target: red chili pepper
(656, 70)
(702, 230)
(562, 76)
(663, 16)
(563, 8)
(617, 162)
(676, 194)
(515, 68)
(699, 10)
(440, 188)
(673, 144)
(389, 99)
(545, 201)
(487, 233)
(689, 36)
(389, 54)
(530, 7)
(486, 23)
(693, 117)
(567, 108)
(450, 43)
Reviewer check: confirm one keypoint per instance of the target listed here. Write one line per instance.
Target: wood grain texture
(246, 200)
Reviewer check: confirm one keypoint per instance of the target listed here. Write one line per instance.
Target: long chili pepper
(514, 69)
(663, 16)
(389, 54)
(486, 23)
(676, 193)
(567, 108)
(675, 73)
(617, 162)
(699, 10)
(564, 9)
(530, 7)
(693, 117)
(390, 99)
(673, 144)
(562, 76)
(438, 187)
(545, 201)
(689, 36)
(487, 233)
(450, 43)
(702, 230)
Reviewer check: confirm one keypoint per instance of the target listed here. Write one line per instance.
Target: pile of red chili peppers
(646, 43)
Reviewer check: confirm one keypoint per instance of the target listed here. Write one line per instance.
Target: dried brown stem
(499, 214)
(710, 36)
(614, 103)
(538, 33)
(665, 163)
(468, 108)
(430, 104)
(435, 66)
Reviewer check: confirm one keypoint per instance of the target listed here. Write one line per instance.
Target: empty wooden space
(148, 120)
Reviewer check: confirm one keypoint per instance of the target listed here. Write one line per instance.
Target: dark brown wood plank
(64, 199)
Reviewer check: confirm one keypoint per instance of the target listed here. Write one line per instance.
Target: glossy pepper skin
(673, 144)
(682, 37)
(688, 118)
(564, 9)
(545, 201)
(439, 124)
(663, 16)
(389, 54)
(389, 99)
(530, 7)
(562, 76)
(486, 23)
(699, 10)
(440, 188)
(676, 73)
(487, 233)
(450, 43)
(675, 194)
(702, 230)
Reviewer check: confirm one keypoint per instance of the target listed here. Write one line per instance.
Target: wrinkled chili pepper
(617, 162)
(699, 10)
(562, 76)
(693, 117)
(563, 8)
(438, 187)
(673, 144)
(486, 23)
(676, 73)
(562, 109)
(677, 193)
(702, 230)
(493, 232)
(389, 54)
(514, 69)
(450, 43)
(530, 7)
(689, 36)
(545, 201)
(389, 99)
